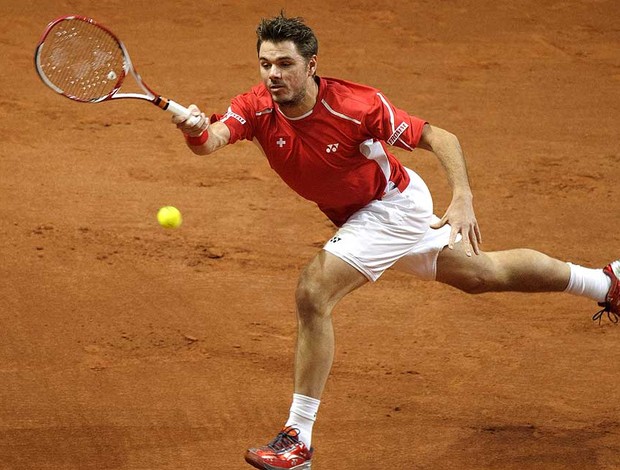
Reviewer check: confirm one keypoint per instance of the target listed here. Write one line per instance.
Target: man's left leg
(525, 270)
(519, 270)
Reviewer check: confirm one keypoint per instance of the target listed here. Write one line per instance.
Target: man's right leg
(322, 284)
(325, 281)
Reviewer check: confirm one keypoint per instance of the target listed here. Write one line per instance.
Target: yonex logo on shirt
(331, 148)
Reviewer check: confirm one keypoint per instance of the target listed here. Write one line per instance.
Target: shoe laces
(598, 316)
(285, 439)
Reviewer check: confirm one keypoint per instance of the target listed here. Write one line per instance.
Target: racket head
(81, 59)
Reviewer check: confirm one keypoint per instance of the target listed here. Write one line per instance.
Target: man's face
(285, 72)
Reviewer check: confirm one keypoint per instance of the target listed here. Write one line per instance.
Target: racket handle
(179, 110)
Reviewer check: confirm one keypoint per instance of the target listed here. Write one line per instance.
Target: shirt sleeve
(392, 125)
(239, 118)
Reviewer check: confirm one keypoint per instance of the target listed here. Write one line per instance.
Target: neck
(306, 103)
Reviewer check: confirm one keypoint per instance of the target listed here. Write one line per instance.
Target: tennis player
(329, 140)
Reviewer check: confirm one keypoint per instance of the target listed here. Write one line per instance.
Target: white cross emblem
(280, 143)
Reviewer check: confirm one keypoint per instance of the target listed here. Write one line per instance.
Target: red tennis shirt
(336, 154)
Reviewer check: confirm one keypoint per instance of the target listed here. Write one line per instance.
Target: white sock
(586, 282)
(303, 415)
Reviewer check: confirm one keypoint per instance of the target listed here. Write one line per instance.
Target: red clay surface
(126, 346)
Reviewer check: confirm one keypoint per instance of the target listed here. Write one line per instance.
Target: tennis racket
(84, 61)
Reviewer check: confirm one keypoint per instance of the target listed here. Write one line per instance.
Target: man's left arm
(460, 213)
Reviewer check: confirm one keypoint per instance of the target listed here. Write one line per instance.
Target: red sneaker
(285, 451)
(611, 306)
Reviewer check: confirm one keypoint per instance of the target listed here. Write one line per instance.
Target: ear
(312, 65)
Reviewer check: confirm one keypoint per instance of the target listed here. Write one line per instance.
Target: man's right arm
(217, 134)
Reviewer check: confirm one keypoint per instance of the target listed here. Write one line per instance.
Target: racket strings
(82, 60)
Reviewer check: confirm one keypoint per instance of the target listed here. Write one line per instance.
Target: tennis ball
(169, 217)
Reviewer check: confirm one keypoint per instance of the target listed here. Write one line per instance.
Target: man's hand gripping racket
(86, 62)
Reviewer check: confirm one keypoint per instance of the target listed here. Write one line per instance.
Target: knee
(309, 299)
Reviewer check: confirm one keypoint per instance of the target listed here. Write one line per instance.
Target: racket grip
(180, 110)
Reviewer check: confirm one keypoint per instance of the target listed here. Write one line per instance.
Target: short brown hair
(281, 28)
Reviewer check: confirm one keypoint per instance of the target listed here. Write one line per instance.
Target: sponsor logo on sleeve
(397, 133)
(231, 114)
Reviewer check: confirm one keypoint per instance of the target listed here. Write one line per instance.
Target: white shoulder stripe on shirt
(385, 103)
(396, 133)
(336, 113)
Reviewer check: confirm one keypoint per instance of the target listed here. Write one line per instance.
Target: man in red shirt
(329, 141)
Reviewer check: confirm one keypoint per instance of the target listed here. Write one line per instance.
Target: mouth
(276, 87)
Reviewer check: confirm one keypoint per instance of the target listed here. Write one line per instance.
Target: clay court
(126, 346)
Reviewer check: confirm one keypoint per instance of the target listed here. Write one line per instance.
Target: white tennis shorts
(393, 232)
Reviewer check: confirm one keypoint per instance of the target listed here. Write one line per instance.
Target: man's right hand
(186, 125)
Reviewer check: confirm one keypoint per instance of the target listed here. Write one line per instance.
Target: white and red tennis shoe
(611, 306)
(285, 451)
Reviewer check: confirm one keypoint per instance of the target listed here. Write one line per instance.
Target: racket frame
(128, 69)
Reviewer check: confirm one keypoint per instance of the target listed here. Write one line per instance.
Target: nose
(274, 72)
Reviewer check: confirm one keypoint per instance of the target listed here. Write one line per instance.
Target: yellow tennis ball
(169, 217)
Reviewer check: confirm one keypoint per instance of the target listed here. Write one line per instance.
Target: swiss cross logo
(281, 142)
(331, 148)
